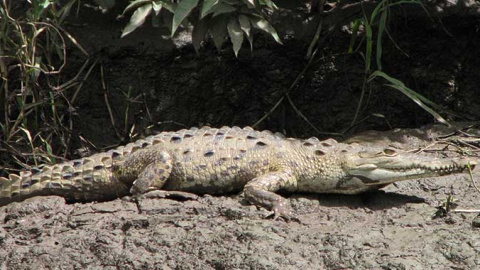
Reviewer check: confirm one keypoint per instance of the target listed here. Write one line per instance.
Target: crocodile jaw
(386, 170)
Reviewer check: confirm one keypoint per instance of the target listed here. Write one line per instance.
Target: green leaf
(51, 157)
(245, 25)
(137, 19)
(105, 4)
(369, 37)
(156, 21)
(65, 11)
(29, 136)
(135, 4)
(381, 30)
(232, 2)
(218, 30)
(207, 6)
(236, 35)
(157, 7)
(169, 6)
(222, 8)
(249, 3)
(269, 4)
(377, 9)
(39, 8)
(47, 3)
(198, 34)
(167, 18)
(182, 10)
(356, 25)
(264, 25)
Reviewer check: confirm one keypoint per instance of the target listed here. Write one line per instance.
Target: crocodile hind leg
(145, 170)
(151, 170)
(261, 191)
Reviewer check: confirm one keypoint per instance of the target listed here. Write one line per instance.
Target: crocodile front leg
(261, 191)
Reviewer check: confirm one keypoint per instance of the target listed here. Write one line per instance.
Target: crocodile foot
(162, 194)
(170, 194)
(282, 210)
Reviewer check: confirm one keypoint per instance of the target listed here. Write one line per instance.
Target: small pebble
(476, 222)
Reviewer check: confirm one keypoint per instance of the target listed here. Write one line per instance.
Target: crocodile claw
(282, 210)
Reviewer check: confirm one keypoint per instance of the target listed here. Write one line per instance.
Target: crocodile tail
(87, 179)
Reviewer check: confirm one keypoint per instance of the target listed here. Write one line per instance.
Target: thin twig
(317, 33)
(107, 102)
(360, 102)
(72, 82)
(308, 122)
(300, 76)
(471, 178)
(465, 211)
(83, 80)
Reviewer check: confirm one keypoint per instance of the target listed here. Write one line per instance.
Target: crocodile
(228, 160)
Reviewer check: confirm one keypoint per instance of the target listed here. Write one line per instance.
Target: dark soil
(170, 87)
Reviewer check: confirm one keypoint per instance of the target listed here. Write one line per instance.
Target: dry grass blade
(74, 41)
(29, 136)
(414, 96)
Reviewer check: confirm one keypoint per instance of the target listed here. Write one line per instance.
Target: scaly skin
(226, 160)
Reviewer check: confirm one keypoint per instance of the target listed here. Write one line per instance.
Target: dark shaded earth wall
(169, 83)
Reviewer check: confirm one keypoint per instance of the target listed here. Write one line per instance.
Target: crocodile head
(375, 168)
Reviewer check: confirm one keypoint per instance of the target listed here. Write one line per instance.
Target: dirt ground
(172, 88)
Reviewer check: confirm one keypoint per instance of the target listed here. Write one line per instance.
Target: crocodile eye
(389, 152)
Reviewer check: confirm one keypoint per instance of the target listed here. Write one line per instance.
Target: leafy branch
(220, 19)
